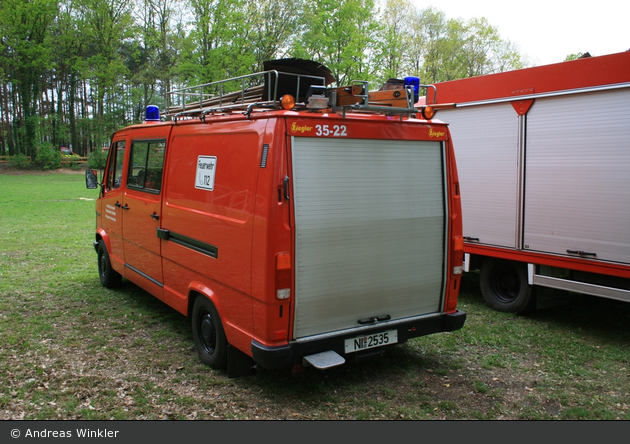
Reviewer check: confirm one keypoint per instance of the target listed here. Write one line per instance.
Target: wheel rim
(208, 333)
(506, 284)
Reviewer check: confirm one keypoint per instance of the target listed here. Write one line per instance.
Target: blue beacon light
(152, 114)
(415, 83)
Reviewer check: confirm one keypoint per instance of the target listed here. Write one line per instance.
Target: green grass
(71, 349)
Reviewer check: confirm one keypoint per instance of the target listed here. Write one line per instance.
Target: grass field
(70, 349)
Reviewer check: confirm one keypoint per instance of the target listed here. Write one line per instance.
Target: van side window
(145, 168)
(115, 166)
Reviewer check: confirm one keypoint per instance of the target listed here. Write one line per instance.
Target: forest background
(74, 71)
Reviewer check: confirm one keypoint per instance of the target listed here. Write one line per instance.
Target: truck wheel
(504, 286)
(208, 334)
(109, 277)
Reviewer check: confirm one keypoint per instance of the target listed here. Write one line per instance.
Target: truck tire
(208, 334)
(504, 286)
(109, 277)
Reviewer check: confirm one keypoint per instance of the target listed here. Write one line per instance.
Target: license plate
(371, 341)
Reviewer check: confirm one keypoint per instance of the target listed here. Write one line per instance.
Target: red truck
(544, 167)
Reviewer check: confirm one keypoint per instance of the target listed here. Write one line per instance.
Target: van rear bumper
(292, 353)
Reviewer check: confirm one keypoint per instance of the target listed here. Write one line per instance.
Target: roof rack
(264, 91)
(261, 90)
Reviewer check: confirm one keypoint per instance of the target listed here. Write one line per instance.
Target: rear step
(324, 360)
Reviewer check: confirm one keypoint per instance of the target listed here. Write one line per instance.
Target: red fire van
(294, 223)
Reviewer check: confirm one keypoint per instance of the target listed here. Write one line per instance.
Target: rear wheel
(208, 334)
(504, 286)
(109, 277)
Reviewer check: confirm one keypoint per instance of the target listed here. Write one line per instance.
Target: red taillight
(458, 254)
(457, 260)
(283, 276)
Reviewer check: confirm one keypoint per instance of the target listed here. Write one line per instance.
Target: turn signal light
(287, 102)
(458, 244)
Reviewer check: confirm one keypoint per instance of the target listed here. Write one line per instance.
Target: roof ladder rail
(260, 88)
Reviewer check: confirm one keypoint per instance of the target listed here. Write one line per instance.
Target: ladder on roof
(264, 90)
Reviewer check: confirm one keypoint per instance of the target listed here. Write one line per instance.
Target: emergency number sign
(206, 169)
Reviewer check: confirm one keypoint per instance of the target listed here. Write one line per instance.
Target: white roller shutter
(577, 189)
(485, 139)
(370, 221)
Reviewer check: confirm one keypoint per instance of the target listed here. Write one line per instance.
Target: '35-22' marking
(331, 131)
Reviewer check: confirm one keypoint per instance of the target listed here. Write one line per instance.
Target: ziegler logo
(436, 133)
(295, 128)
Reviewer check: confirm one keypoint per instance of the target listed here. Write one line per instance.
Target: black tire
(504, 286)
(109, 277)
(208, 334)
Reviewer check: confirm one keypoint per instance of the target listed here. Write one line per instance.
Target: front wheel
(504, 286)
(109, 277)
(208, 334)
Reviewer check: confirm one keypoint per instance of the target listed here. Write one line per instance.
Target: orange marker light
(428, 112)
(287, 101)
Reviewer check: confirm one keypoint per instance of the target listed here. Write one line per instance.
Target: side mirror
(91, 180)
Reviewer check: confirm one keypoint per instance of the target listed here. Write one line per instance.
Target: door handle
(286, 187)
(374, 319)
(125, 207)
(581, 253)
(155, 216)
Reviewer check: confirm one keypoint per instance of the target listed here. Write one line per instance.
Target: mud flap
(239, 364)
